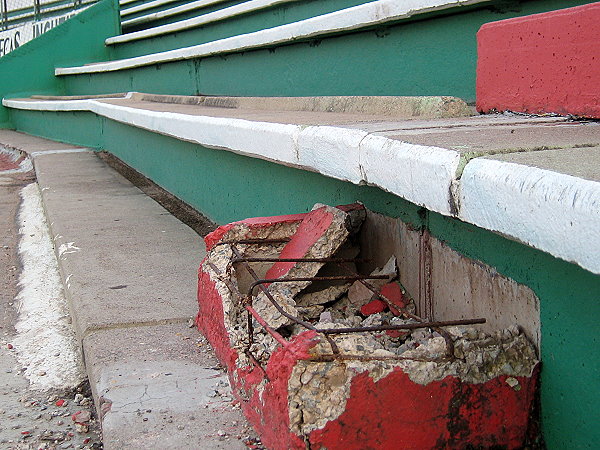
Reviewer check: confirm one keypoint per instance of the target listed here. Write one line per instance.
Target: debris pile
(283, 304)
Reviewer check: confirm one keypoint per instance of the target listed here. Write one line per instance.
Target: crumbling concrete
(300, 387)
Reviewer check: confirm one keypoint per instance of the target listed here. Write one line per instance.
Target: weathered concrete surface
(18, 140)
(160, 387)
(407, 107)
(577, 162)
(463, 288)
(543, 63)
(140, 255)
(446, 285)
(129, 271)
(508, 137)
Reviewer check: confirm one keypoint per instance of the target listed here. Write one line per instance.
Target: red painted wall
(544, 63)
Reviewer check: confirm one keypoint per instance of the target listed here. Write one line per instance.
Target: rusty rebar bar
(342, 356)
(260, 282)
(278, 337)
(405, 326)
(300, 260)
(334, 347)
(447, 336)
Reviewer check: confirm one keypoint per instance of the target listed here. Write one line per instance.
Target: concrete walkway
(129, 272)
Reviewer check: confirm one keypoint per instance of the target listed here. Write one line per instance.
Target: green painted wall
(228, 187)
(265, 18)
(30, 68)
(432, 56)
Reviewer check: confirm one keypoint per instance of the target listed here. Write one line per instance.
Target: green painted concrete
(386, 61)
(30, 68)
(260, 20)
(175, 18)
(228, 187)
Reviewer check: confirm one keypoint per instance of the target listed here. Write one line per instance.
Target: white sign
(15, 37)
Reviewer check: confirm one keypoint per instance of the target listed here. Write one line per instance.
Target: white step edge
(549, 211)
(147, 5)
(427, 172)
(204, 19)
(168, 12)
(126, 2)
(368, 14)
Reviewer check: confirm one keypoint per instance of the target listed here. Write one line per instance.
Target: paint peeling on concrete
(67, 248)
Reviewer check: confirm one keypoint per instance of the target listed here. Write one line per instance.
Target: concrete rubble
(312, 391)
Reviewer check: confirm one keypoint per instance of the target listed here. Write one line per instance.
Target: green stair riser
(387, 61)
(245, 23)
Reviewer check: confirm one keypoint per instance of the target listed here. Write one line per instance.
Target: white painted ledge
(157, 4)
(346, 154)
(170, 12)
(368, 14)
(204, 19)
(556, 213)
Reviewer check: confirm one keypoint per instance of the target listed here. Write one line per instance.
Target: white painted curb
(368, 14)
(554, 212)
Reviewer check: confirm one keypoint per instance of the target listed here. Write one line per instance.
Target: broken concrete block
(373, 307)
(359, 294)
(382, 390)
(320, 234)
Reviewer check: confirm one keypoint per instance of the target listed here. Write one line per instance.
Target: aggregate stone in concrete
(124, 259)
(161, 387)
(578, 162)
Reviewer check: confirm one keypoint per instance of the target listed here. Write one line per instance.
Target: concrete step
(543, 63)
(534, 179)
(129, 274)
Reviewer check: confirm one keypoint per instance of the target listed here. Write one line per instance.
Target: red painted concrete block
(373, 307)
(377, 404)
(543, 63)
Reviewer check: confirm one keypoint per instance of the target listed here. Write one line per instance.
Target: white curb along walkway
(46, 341)
(551, 211)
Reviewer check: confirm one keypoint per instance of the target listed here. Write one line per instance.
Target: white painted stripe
(368, 14)
(156, 4)
(172, 12)
(557, 213)
(332, 151)
(126, 2)
(422, 174)
(222, 14)
(45, 340)
(58, 152)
